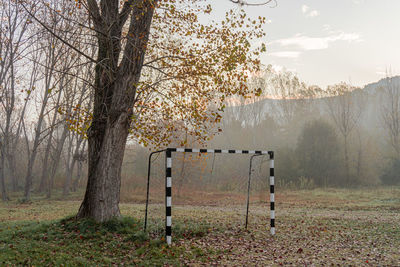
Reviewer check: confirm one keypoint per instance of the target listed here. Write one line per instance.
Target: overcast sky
(326, 41)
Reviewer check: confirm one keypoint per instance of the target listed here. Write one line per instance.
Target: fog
(170, 133)
(333, 139)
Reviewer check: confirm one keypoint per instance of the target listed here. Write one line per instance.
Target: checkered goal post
(168, 182)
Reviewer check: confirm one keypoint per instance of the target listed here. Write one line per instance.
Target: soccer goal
(168, 182)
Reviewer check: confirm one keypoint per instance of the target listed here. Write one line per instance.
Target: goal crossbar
(168, 182)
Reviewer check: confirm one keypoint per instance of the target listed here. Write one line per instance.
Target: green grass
(85, 242)
(314, 227)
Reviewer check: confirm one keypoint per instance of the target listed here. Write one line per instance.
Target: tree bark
(104, 180)
(115, 90)
(4, 195)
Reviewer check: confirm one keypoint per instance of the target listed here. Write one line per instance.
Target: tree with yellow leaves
(159, 69)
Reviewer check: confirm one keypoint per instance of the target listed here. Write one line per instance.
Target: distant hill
(371, 105)
(372, 88)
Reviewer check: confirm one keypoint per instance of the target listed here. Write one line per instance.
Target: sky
(327, 42)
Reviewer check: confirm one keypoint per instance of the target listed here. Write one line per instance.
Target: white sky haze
(326, 42)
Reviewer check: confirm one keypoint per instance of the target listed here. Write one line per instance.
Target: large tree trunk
(115, 90)
(104, 179)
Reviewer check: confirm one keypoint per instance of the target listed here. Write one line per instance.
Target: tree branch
(56, 36)
(126, 9)
(246, 3)
(94, 11)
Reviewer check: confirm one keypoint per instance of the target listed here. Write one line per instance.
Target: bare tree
(390, 110)
(287, 88)
(50, 56)
(345, 110)
(14, 44)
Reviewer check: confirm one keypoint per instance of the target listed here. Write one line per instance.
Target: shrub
(318, 153)
(392, 174)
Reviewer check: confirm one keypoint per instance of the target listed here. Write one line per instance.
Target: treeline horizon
(307, 134)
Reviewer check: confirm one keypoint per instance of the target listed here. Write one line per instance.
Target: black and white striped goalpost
(168, 182)
(272, 191)
(168, 196)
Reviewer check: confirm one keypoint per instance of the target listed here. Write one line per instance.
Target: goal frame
(168, 182)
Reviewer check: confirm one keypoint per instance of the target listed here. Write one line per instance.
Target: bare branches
(345, 111)
(246, 3)
(391, 112)
(344, 108)
(137, 28)
(56, 35)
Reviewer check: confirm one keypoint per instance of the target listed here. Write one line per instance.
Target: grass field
(314, 228)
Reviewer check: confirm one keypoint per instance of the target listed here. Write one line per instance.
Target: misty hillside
(370, 97)
(373, 88)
